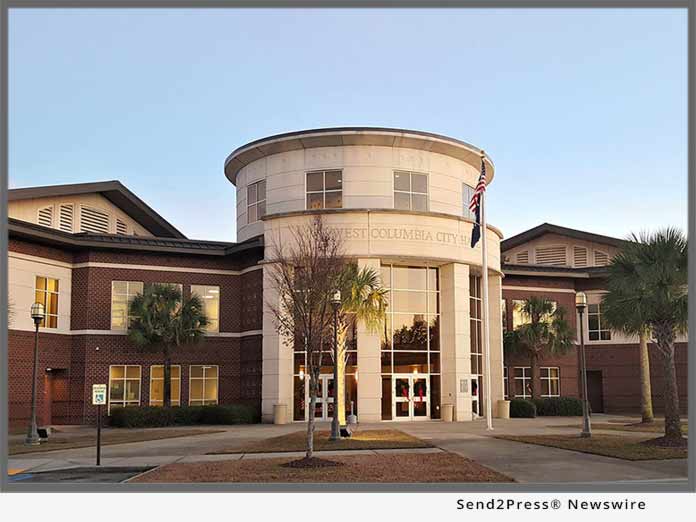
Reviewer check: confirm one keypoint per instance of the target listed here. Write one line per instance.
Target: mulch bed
(312, 462)
(399, 468)
(360, 440)
(606, 445)
(667, 442)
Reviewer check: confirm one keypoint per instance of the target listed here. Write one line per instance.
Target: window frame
(324, 191)
(506, 383)
(411, 192)
(203, 401)
(516, 302)
(161, 403)
(257, 202)
(466, 200)
(546, 380)
(526, 377)
(125, 379)
(48, 311)
(599, 331)
(129, 298)
(208, 330)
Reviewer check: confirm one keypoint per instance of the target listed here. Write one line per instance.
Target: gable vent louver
(522, 258)
(94, 220)
(601, 258)
(65, 218)
(121, 228)
(553, 255)
(579, 257)
(46, 217)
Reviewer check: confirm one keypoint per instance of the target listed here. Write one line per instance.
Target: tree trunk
(671, 396)
(167, 391)
(310, 416)
(534, 377)
(646, 407)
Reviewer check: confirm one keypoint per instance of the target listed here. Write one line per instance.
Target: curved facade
(399, 200)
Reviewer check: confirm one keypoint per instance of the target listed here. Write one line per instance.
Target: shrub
(559, 407)
(522, 408)
(156, 417)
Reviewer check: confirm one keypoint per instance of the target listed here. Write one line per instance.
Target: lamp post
(335, 428)
(580, 305)
(37, 314)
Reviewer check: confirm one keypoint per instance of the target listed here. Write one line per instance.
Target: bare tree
(304, 272)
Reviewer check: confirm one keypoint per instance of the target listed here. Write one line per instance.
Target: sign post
(99, 398)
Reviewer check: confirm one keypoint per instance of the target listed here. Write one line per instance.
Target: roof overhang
(548, 228)
(346, 136)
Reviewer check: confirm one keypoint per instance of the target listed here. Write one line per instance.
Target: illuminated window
(210, 295)
(410, 191)
(519, 317)
(596, 330)
(203, 385)
(157, 385)
(550, 382)
(124, 386)
(47, 294)
(324, 189)
(523, 378)
(256, 201)
(122, 293)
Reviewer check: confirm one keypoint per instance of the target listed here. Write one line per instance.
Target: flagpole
(484, 315)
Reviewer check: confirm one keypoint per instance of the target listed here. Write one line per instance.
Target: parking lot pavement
(92, 475)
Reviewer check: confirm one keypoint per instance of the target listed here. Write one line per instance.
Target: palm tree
(547, 332)
(647, 284)
(363, 300)
(162, 320)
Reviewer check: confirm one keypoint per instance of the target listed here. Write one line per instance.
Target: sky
(584, 112)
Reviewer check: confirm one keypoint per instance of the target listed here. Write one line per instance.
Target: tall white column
(276, 379)
(495, 295)
(369, 366)
(455, 339)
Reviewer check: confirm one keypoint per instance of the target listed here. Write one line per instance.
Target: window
(523, 387)
(122, 293)
(410, 191)
(124, 386)
(210, 295)
(45, 216)
(157, 385)
(506, 389)
(503, 313)
(550, 382)
(519, 317)
(47, 294)
(324, 189)
(203, 385)
(595, 329)
(467, 193)
(256, 201)
(94, 220)
(65, 217)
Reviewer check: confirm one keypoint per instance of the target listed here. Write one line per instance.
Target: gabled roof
(548, 228)
(115, 192)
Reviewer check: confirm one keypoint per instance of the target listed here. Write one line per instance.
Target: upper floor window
(324, 189)
(47, 294)
(256, 201)
(519, 317)
(467, 194)
(410, 191)
(210, 295)
(122, 293)
(596, 330)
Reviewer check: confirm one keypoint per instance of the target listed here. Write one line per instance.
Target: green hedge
(558, 407)
(522, 408)
(155, 416)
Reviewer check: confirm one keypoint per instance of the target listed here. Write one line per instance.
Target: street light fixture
(38, 313)
(335, 428)
(580, 305)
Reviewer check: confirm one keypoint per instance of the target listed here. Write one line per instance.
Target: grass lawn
(61, 441)
(607, 445)
(406, 467)
(362, 439)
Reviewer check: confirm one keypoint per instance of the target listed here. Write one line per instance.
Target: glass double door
(411, 397)
(324, 407)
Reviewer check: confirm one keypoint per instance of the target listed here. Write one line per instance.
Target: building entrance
(411, 397)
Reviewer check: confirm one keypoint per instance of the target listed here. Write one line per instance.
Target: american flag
(475, 205)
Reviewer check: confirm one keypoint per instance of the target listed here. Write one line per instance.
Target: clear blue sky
(584, 112)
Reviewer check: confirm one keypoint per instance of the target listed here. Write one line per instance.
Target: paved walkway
(523, 462)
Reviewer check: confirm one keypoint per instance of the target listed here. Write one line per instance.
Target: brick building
(397, 197)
